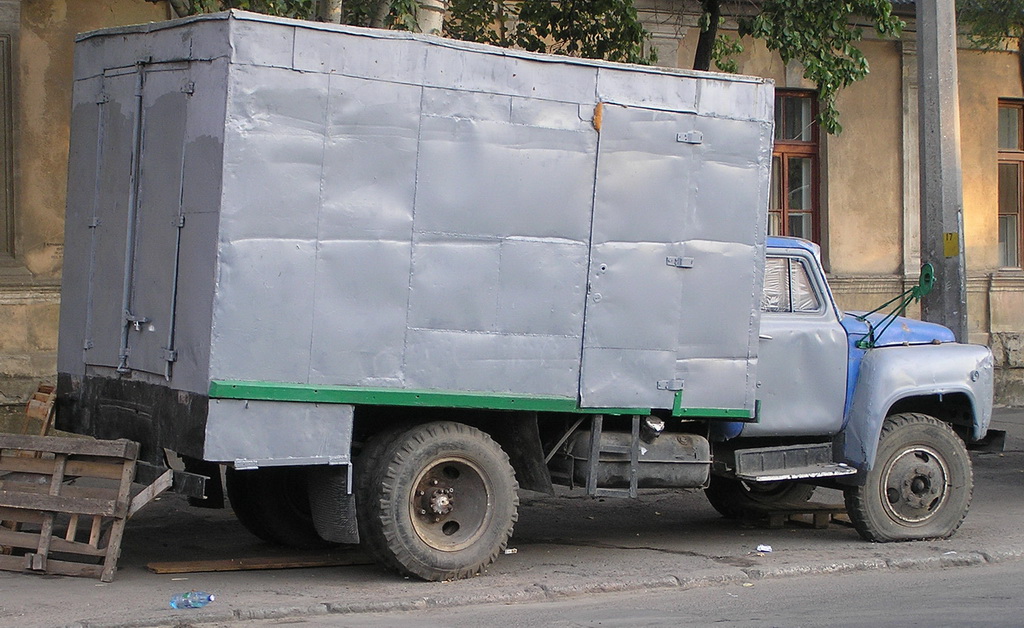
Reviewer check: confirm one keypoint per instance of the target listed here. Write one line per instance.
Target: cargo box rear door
(138, 218)
(158, 218)
(674, 262)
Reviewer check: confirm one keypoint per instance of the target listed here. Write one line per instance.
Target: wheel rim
(450, 504)
(915, 485)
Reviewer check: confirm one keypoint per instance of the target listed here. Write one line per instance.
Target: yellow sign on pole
(951, 244)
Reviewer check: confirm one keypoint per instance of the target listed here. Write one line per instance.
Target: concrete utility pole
(942, 216)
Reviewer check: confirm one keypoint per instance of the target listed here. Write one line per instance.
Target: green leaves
(596, 29)
(302, 9)
(819, 35)
(991, 22)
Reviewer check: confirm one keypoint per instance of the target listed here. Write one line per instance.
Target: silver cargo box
(284, 212)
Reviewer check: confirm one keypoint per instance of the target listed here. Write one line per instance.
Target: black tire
(732, 498)
(440, 503)
(366, 475)
(273, 504)
(243, 505)
(920, 486)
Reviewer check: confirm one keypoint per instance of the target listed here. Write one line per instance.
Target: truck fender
(889, 374)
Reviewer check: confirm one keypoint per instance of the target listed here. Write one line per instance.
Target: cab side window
(788, 287)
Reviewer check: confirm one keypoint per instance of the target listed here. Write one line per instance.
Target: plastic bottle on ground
(191, 599)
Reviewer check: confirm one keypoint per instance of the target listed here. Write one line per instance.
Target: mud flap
(332, 505)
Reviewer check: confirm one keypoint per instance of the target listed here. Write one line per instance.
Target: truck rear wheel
(440, 502)
(920, 486)
(273, 504)
(732, 497)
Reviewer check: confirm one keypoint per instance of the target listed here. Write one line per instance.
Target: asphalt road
(969, 596)
(671, 543)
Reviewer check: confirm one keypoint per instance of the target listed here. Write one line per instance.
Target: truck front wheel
(440, 502)
(920, 485)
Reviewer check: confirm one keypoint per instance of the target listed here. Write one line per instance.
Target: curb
(545, 593)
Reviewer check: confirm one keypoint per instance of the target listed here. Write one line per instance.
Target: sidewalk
(565, 546)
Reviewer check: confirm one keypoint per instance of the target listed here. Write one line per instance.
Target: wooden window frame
(783, 150)
(1016, 157)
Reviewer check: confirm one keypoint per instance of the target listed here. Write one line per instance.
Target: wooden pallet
(64, 503)
(775, 516)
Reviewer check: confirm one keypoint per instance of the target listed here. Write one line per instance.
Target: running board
(792, 462)
(830, 470)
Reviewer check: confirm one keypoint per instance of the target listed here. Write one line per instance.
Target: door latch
(136, 321)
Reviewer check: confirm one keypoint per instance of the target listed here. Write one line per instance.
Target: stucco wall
(864, 169)
(985, 77)
(48, 29)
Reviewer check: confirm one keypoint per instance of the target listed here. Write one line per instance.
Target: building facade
(855, 193)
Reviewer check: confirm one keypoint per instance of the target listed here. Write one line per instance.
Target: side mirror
(925, 282)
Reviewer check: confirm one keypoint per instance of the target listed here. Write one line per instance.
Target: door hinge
(95, 222)
(690, 137)
(180, 221)
(170, 355)
(670, 384)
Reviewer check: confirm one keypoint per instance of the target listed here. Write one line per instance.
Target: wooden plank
(110, 470)
(120, 448)
(72, 530)
(88, 492)
(23, 540)
(117, 529)
(94, 531)
(147, 494)
(66, 568)
(58, 503)
(20, 516)
(13, 563)
(59, 567)
(46, 532)
(30, 540)
(259, 563)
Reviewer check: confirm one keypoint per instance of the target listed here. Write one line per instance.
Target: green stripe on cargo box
(266, 391)
(272, 391)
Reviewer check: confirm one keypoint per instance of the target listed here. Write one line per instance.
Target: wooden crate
(39, 411)
(64, 502)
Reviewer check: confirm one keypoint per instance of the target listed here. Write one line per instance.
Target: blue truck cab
(896, 398)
